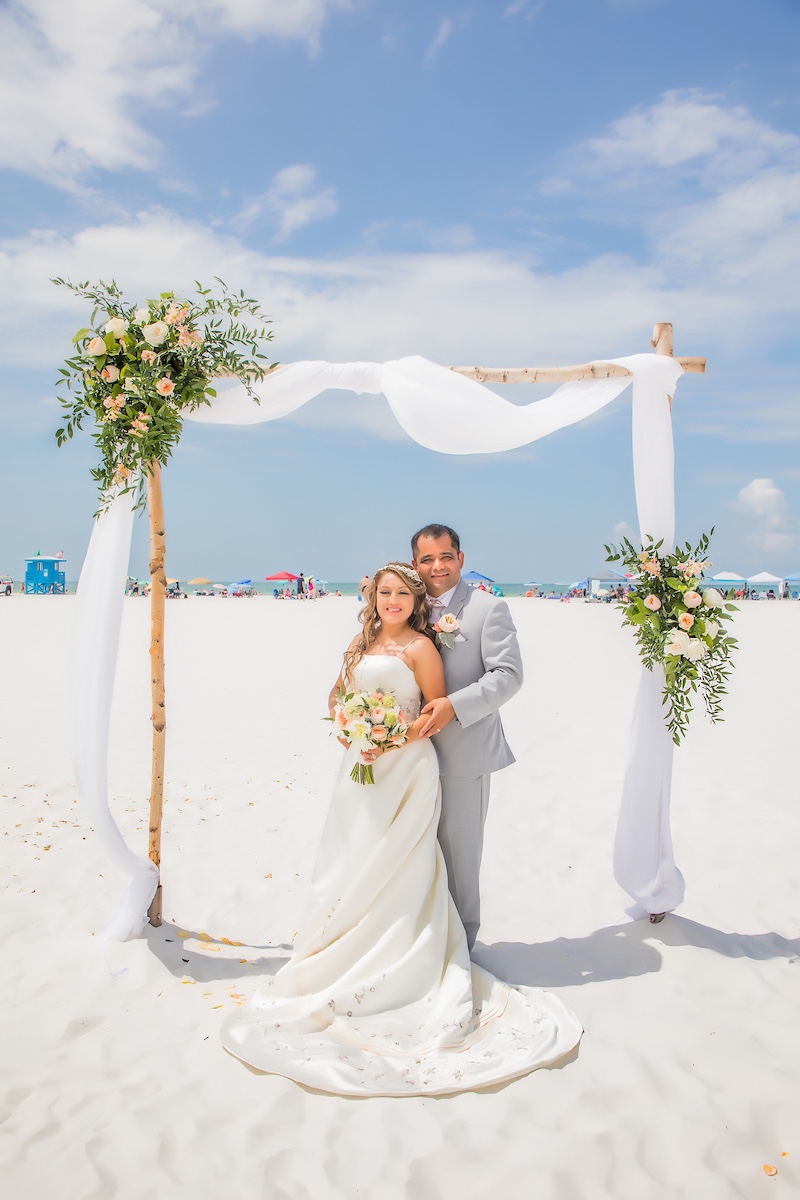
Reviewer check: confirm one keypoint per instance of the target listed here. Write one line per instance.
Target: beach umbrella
(764, 577)
(793, 578)
(243, 583)
(476, 577)
(200, 579)
(286, 576)
(728, 577)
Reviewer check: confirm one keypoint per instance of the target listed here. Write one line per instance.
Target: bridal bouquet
(136, 368)
(678, 624)
(369, 721)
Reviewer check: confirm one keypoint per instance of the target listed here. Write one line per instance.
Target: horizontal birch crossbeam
(598, 370)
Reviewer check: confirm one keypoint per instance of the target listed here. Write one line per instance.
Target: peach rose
(692, 599)
(379, 733)
(652, 602)
(96, 347)
(686, 621)
(447, 623)
(165, 387)
(148, 356)
(110, 374)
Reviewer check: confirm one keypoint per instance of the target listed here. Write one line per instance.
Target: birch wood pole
(158, 587)
(661, 342)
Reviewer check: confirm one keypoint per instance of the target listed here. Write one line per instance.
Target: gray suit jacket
(481, 672)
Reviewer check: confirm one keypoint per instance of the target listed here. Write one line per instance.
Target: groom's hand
(439, 712)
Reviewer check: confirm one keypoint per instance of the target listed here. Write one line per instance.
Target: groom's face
(439, 564)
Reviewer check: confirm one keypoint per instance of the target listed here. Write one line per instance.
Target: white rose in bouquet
(156, 333)
(116, 326)
(697, 649)
(96, 347)
(712, 628)
(712, 598)
(141, 315)
(677, 642)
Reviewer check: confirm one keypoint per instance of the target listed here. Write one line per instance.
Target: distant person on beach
(301, 585)
(362, 587)
(482, 670)
(380, 997)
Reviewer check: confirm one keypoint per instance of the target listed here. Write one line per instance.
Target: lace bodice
(389, 673)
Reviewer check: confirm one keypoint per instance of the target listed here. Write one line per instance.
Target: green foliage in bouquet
(135, 370)
(678, 626)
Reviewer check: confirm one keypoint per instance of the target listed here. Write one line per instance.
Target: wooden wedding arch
(661, 342)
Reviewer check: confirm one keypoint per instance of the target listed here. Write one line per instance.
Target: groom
(482, 669)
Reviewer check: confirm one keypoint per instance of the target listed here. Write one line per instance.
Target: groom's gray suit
(482, 671)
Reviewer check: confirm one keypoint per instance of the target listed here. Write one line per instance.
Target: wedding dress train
(380, 997)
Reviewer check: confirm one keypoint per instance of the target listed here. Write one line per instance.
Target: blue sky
(504, 183)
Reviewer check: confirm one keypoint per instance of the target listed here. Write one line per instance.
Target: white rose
(712, 628)
(116, 326)
(712, 598)
(141, 315)
(677, 642)
(696, 650)
(156, 333)
(448, 623)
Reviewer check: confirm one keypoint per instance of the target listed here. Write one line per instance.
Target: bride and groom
(380, 996)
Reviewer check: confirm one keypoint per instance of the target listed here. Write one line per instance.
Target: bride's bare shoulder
(422, 649)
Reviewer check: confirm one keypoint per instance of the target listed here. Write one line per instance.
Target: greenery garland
(677, 626)
(135, 370)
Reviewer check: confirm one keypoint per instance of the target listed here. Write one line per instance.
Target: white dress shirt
(438, 604)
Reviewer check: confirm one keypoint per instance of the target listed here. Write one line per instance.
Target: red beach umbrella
(284, 575)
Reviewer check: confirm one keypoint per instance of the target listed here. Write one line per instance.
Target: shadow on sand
(219, 959)
(621, 952)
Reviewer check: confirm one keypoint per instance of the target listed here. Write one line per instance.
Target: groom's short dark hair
(435, 531)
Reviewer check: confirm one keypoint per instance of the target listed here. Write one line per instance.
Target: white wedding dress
(380, 997)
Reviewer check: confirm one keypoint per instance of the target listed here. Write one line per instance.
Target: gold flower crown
(401, 569)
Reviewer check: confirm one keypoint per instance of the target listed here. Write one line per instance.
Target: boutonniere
(446, 629)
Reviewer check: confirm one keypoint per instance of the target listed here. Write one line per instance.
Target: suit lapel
(456, 605)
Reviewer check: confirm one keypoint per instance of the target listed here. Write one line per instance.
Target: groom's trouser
(464, 805)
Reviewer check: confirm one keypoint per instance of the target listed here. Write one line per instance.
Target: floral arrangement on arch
(137, 368)
(679, 625)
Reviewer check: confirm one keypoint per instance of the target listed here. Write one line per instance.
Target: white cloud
(715, 191)
(78, 78)
(689, 125)
(768, 522)
(524, 8)
(293, 200)
(443, 34)
(298, 19)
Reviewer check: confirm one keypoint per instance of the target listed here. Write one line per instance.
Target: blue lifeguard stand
(44, 576)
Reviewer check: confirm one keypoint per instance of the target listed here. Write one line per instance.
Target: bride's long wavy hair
(369, 614)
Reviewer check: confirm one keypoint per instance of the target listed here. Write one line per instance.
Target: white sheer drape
(451, 414)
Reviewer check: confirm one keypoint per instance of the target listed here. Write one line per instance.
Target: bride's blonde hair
(369, 614)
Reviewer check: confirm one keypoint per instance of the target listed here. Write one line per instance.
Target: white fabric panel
(451, 414)
(644, 863)
(98, 617)
(437, 407)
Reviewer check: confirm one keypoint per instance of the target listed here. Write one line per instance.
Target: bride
(380, 997)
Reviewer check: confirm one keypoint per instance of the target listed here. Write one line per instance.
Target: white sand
(688, 1076)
